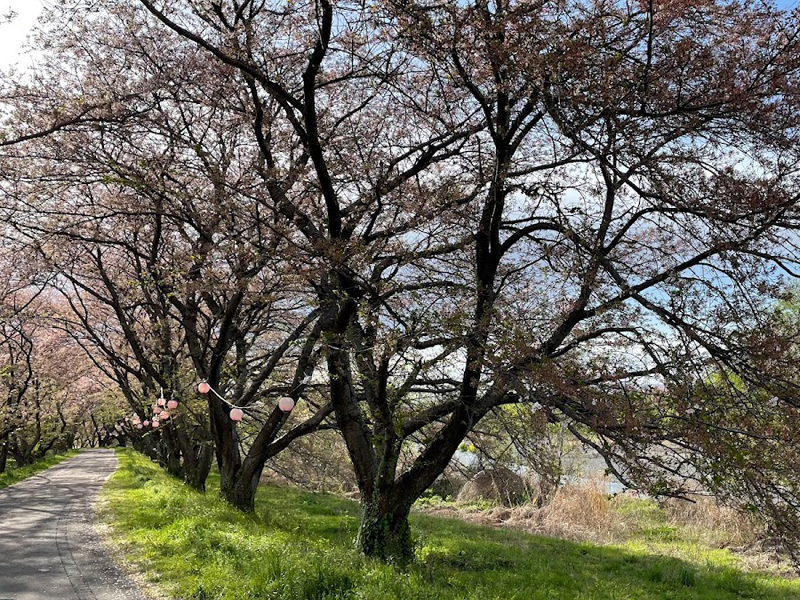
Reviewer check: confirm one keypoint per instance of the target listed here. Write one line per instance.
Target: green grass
(300, 546)
(12, 476)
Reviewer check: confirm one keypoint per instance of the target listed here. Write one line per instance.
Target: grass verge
(12, 476)
(300, 546)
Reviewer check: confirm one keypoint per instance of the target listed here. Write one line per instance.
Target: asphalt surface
(49, 548)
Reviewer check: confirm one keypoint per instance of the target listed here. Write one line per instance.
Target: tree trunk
(242, 495)
(226, 444)
(230, 463)
(196, 472)
(145, 446)
(385, 532)
(3, 456)
(245, 486)
(240, 486)
(171, 453)
(238, 478)
(21, 451)
(197, 457)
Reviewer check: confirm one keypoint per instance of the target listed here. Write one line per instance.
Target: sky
(12, 36)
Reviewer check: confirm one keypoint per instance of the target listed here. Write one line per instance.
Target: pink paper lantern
(162, 401)
(138, 426)
(163, 415)
(156, 423)
(146, 423)
(203, 388)
(172, 404)
(237, 414)
(286, 404)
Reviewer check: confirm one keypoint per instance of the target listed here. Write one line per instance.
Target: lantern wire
(225, 400)
(247, 408)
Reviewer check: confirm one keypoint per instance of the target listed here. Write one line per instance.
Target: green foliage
(14, 475)
(434, 501)
(300, 546)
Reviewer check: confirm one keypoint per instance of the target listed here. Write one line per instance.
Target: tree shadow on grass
(300, 545)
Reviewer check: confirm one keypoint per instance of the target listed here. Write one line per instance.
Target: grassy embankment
(16, 474)
(300, 545)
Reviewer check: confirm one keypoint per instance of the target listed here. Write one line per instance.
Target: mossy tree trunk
(385, 532)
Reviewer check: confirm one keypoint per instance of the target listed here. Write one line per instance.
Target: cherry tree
(47, 387)
(592, 198)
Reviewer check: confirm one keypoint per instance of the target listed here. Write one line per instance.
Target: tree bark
(197, 473)
(172, 453)
(229, 461)
(197, 458)
(385, 532)
(242, 494)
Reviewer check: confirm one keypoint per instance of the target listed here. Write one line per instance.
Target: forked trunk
(242, 491)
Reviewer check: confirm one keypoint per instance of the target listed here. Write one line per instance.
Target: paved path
(48, 547)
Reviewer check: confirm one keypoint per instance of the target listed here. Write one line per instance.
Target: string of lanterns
(285, 403)
(162, 408)
(161, 412)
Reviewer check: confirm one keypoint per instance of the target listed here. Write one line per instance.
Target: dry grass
(716, 525)
(576, 512)
(582, 512)
(585, 513)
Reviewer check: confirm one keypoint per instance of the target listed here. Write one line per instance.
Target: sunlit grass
(300, 545)
(14, 475)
